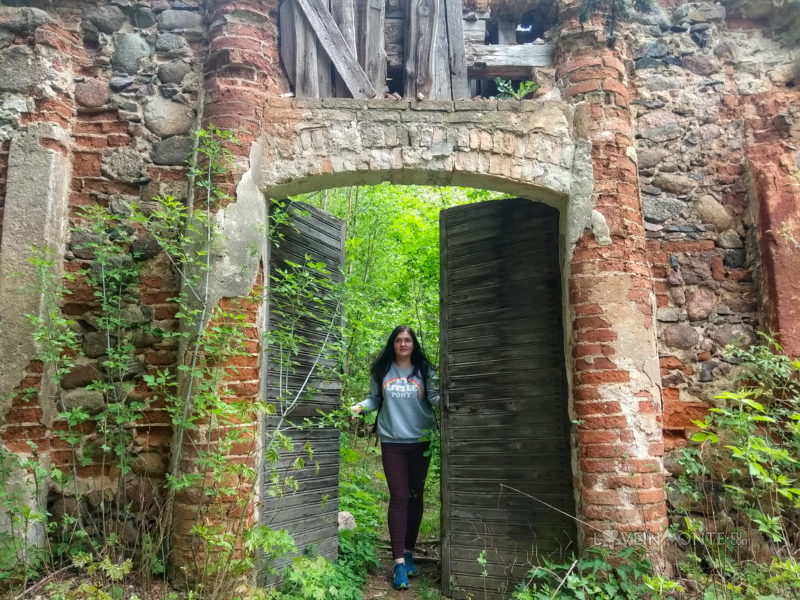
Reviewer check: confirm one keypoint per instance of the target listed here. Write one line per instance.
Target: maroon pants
(406, 467)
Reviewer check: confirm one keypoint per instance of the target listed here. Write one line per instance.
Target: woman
(403, 391)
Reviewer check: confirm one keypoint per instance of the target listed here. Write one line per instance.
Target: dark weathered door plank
(310, 514)
(423, 18)
(505, 420)
(324, 67)
(287, 39)
(306, 77)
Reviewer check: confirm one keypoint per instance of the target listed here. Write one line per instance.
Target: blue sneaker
(400, 579)
(411, 566)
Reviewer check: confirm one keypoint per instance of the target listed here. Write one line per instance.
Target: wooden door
(308, 513)
(504, 418)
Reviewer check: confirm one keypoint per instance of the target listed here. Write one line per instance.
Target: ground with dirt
(424, 587)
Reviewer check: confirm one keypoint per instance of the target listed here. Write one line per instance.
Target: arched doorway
(504, 396)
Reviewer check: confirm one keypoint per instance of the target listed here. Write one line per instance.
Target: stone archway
(532, 149)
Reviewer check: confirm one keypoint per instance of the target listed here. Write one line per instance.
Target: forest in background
(391, 273)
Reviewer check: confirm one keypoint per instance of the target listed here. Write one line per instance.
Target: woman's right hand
(356, 409)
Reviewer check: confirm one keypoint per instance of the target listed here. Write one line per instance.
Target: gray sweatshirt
(405, 414)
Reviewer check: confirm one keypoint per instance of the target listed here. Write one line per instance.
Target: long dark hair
(419, 360)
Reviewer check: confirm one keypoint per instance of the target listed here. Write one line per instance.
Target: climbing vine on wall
(112, 536)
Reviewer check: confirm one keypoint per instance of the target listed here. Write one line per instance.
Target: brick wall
(616, 397)
(242, 70)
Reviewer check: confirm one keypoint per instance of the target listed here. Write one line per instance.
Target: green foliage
(744, 465)
(613, 12)
(505, 88)
(195, 394)
(391, 275)
(598, 574)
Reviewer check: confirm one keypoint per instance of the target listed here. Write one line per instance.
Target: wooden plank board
(287, 39)
(441, 88)
(482, 61)
(360, 16)
(505, 421)
(459, 80)
(444, 342)
(421, 49)
(344, 15)
(306, 79)
(324, 68)
(332, 40)
(508, 61)
(309, 515)
(374, 47)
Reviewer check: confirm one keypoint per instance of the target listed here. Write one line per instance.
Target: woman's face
(403, 345)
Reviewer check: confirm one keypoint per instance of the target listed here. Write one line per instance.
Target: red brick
(243, 361)
(244, 389)
(644, 465)
(597, 437)
(613, 85)
(597, 408)
(616, 450)
(585, 393)
(160, 358)
(595, 465)
(24, 414)
(596, 335)
(603, 497)
(86, 164)
(591, 323)
(653, 512)
(605, 377)
(580, 63)
(582, 350)
(614, 515)
(649, 407)
(21, 445)
(595, 364)
(614, 63)
(656, 449)
(583, 88)
(604, 422)
(688, 246)
(651, 496)
(588, 309)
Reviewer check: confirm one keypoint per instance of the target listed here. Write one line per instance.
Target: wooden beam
(306, 79)
(459, 80)
(427, 61)
(511, 62)
(374, 46)
(324, 70)
(483, 61)
(286, 32)
(344, 15)
(332, 40)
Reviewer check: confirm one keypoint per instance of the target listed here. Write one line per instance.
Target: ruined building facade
(673, 159)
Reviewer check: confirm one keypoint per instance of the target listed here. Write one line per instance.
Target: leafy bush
(599, 574)
(738, 490)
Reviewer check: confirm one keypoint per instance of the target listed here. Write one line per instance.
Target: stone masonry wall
(123, 82)
(677, 168)
(699, 82)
